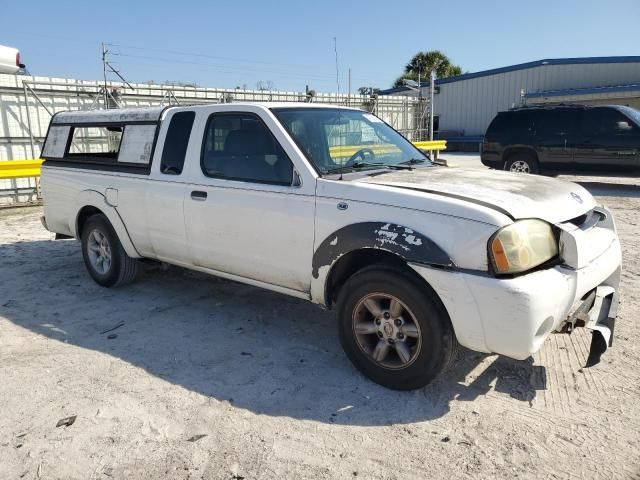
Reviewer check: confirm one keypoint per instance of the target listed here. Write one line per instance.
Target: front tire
(522, 163)
(393, 328)
(105, 258)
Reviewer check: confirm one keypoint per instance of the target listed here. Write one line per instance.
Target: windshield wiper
(413, 161)
(353, 166)
(358, 165)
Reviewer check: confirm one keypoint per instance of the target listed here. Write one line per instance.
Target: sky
(290, 44)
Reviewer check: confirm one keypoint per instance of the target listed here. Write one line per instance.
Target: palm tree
(423, 63)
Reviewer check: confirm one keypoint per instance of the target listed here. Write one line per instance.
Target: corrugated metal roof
(522, 66)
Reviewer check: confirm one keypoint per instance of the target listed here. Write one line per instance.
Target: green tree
(368, 91)
(423, 63)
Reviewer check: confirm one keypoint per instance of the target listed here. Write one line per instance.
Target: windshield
(632, 113)
(344, 140)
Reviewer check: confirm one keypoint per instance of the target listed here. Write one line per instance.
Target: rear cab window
(176, 143)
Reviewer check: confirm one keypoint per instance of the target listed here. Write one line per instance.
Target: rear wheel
(394, 329)
(522, 163)
(105, 258)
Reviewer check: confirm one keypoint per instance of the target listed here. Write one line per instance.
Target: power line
(215, 57)
(206, 67)
(228, 67)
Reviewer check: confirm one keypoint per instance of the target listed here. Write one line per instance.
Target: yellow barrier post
(433, 146)
(19, 169)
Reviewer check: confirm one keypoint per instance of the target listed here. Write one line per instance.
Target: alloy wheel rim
(99, 251)
(387, 331)
(520, 166)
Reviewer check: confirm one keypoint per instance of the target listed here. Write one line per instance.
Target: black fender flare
(405, 242)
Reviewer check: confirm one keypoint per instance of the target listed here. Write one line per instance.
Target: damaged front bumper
(597, 313)
(514, 317)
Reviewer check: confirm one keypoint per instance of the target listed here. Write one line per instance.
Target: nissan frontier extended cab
(332, 205)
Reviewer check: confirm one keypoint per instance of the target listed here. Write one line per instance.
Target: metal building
(465, 105)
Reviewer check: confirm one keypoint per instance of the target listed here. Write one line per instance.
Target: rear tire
(522, 163)
(105, 258)
(394, 328)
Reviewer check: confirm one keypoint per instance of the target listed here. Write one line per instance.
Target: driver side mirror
(623, 127)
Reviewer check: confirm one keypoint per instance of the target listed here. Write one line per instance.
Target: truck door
(555, 136)
(165, 191)
(607, 140)
(246, 214)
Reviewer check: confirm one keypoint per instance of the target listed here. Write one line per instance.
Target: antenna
(335, 50)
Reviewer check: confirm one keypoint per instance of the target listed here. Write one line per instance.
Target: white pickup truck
(332, 205)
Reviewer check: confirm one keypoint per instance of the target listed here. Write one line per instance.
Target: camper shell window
(124, 147)
(100, 142)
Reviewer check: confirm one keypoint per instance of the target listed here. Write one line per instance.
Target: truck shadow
(264, 352)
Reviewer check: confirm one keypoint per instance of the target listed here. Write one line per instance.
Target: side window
(56, 142)
(560, 121)
(176, 142)
(604, 121)
(128, 145)
(521, 123)
(239, 146)
(100, 142)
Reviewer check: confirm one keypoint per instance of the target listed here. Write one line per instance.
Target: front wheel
(105, 258)
(393, 328)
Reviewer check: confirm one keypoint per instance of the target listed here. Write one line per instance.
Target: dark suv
(564, 138)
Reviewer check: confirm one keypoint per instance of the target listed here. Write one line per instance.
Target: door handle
(199, 195)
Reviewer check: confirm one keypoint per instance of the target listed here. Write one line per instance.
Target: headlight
(522, 246)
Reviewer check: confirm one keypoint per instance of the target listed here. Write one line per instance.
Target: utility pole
(335, 50)
(421, 123)
(104, 74)
(432, 87)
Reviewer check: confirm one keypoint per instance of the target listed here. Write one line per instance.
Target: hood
(514, 194)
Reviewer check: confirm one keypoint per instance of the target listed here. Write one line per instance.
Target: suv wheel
(522, 163)
(394, 330)
(105, 258)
